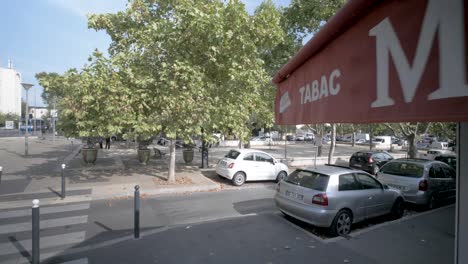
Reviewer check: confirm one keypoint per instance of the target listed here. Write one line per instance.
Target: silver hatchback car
(336, 197)
(421, 181)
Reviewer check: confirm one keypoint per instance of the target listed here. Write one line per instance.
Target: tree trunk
(371, 134)
(241, 146)
(319, 141)
(353, 140)
(412, 150)
(332, 144)
(171, 176)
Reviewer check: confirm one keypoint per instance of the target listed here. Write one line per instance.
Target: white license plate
(294, 195)
(358, 165)
(223, 163)
(401, 188)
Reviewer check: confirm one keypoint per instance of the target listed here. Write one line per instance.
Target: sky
(53, 35)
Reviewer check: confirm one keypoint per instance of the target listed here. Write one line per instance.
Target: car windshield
(309, 179)
(404, 169)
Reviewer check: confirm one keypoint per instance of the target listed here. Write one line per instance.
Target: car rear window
(233, 154)
(404, 169)
(309, 179)
(360, 156)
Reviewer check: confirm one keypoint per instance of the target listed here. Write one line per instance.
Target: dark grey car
(421, 181)
(369, 161)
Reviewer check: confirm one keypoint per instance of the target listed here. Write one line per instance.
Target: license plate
(223, 163)
(294, 195)
(358, 165)
(401, 188)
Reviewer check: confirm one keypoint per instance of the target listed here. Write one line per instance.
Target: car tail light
(231, 165)
(371, 160)
(423, 185)
(320, 199)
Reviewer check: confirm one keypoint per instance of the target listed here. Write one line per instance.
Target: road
(235, 226)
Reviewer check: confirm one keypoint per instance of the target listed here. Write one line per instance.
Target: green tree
(92, 101)
(195, 64)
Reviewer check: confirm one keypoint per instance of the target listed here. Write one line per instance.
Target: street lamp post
(26, 86)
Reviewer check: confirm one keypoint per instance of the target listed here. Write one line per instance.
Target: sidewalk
(114, 175)
(117, 170)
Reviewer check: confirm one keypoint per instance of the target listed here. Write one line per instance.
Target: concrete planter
(143, 156)
(89, 155)
(188, 155)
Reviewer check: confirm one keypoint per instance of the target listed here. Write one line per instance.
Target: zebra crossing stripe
(45, 256)
(26, 226)
(45, 201)
(77, 261)
(46, 242)
(45, 210)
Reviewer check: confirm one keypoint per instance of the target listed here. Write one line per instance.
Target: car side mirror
(385, 186)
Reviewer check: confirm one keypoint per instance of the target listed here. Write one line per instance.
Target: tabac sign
(389, 61)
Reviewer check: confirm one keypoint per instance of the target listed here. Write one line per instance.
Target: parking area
(271, 238)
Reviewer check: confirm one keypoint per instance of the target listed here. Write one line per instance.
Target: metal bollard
(63, 181)
(136, 229)
(1, 170)
(35, 232)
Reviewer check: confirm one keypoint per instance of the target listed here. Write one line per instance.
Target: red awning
(380, 61)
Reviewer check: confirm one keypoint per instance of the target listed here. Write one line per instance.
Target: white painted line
(355, 234)
(45, 210)
(46, 242)
(45, 201)
(77, 261)
(26, 226)
(279, 215)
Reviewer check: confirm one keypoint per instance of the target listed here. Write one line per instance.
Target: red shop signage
(380, 61)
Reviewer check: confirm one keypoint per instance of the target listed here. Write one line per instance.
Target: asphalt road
(235, 226)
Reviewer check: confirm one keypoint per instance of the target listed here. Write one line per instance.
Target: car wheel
(238, 179)
(398, 209)
(341, 225)
(375, 169)
(431, 203)
(281, 176)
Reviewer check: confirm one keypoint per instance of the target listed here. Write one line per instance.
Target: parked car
(439, 145)
(309, 137)
(336, 197)
(299, 138)
(326, 139)
(422, 182)
(399, 141)
(422, 145)
(250, 165)
(291, 138)
(369, 161)
(449, 159)
(432, 153)
(24, 127)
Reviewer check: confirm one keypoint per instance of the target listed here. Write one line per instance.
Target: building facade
(10, 91)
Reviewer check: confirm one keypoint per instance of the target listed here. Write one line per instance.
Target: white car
(432, 153)
(244, 165)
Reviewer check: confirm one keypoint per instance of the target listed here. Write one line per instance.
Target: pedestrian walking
(100, 142)
(108, 142)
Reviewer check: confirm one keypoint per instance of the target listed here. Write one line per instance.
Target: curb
(152, 191)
